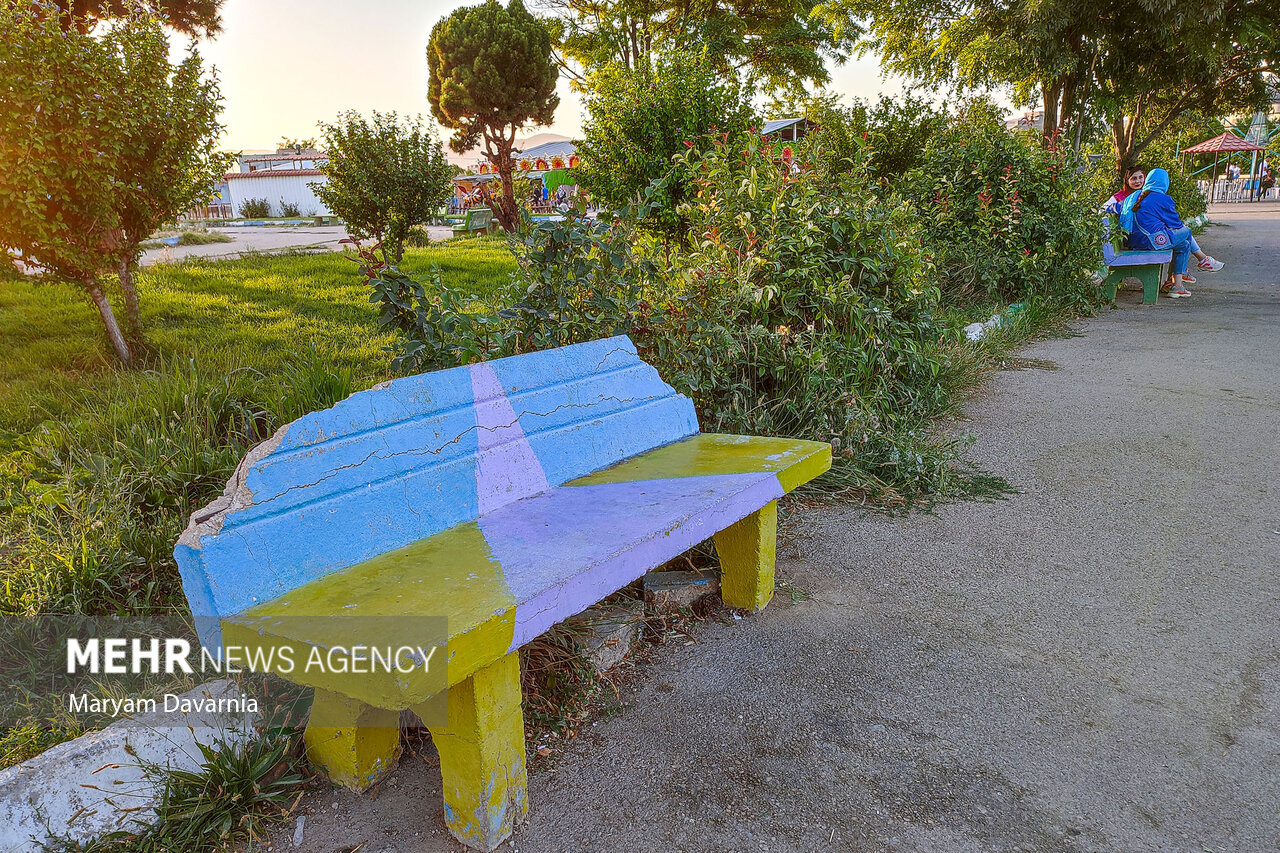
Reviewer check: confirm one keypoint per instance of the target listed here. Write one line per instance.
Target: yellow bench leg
(482, 761)
(747, 550)
(352, 742)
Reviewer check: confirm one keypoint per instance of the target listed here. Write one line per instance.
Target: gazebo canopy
(1222, 144)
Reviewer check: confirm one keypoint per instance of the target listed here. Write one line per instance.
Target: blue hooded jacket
(1149, 210)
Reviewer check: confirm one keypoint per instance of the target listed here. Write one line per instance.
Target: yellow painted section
(793, 460)
(402, 597)
(352, 742)
(747, 552)
(482, 758)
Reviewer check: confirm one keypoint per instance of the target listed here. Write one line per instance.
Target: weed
(239, 789)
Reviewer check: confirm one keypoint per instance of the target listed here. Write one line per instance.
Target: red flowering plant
(1007, 218)
(810, 298)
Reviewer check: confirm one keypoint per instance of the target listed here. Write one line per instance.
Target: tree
(1134, 61)
(190, 17)
(96, 145)
(639, 120)
(490, 73)
(169, 158)
(385, 177)
(780, 43)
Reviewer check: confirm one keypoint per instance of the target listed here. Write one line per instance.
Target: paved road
(266, 238)
(1092, 665)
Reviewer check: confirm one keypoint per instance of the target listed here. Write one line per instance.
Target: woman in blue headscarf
(1153, 222)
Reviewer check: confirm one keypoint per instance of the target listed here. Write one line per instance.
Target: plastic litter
(976, 331)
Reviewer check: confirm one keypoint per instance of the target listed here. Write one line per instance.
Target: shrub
(807, 302)
(255, 208)
(288, 208)
(640, 120)
(1004, 218)
(890, 137)
(385, 176)
(805, 308)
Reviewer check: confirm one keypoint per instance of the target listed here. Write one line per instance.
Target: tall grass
(101, 467)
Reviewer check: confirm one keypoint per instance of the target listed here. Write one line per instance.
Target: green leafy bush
(890, 137)
(640, 120)
(1003, 217)
(385, 176)
(805, 307)
(288, 208)
(255, 208)
(808, 303)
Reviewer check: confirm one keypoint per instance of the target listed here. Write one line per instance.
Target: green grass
(100, 467)
(188, 238)
(256, 312)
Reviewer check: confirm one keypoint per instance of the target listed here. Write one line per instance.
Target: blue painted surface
(398, 463)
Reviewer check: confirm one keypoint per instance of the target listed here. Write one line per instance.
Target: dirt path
(1092, 665)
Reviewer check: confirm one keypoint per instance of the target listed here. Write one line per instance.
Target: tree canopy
(779, 43)
(491, 73)
(1138, 64)
(190, 17)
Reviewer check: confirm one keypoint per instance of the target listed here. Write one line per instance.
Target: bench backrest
(415, 456)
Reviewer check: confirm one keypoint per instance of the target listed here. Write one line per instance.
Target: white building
(278, 187)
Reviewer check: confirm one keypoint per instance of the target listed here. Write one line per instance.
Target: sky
(284, 65)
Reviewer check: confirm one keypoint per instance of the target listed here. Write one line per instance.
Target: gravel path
(1091, 665)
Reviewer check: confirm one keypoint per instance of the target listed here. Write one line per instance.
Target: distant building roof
(285, 154)
(777, 124)
(547, 150)
(272, 173)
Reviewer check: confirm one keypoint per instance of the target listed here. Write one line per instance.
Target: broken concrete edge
(208, 520)
(111, 779)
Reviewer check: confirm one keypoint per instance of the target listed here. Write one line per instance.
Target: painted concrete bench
(1149, 267)
(477, 220)
(502, 497)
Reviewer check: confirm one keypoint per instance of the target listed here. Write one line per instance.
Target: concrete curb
(98, 783)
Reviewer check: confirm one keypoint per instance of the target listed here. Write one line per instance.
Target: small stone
(606, 635)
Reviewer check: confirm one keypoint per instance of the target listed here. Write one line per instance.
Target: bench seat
(458, 515)
(1148, 266)
(513, 573)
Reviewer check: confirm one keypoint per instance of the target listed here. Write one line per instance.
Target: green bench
(478, 219)
(467, 511)
(1148, 266)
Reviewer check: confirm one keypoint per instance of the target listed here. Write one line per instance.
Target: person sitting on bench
(1152, 220)
(1133, 181)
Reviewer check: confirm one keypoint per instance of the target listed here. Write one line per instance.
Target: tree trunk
(1124, 135)
(118, 342)
(1050, 102)
(507, 213)
(133, 311)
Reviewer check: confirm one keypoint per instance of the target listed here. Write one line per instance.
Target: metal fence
(1226, 191)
